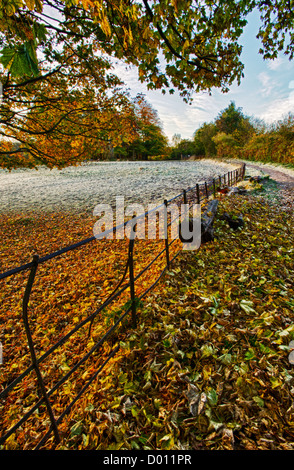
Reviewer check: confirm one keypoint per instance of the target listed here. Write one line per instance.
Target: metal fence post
(132, 280)
(166, 235)
(26, 299)
(198, 193)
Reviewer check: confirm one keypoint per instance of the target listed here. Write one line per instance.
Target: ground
(208, 366)
(284, 180)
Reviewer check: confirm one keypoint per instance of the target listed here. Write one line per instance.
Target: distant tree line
(232, 134)
(148, 141)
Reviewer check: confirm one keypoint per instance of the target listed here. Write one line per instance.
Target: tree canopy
(198, 39)
(55, 51)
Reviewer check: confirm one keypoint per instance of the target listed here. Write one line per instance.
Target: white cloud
(267, 83)
(276, 63)
(278, 108)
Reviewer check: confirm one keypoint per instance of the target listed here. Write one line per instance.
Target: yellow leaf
(105, 26)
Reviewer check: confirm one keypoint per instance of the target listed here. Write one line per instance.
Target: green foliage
(272, 144)
(235, 135)
(185, 45)
(150, 142)
(198, 41)
(230, 119)
(185, 148)
(204, 135)
(21, 60)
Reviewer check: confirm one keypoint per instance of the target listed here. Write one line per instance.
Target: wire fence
(129, 281)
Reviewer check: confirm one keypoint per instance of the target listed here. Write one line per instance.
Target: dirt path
(284, 179)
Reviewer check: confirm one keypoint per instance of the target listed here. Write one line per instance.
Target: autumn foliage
(232, 134)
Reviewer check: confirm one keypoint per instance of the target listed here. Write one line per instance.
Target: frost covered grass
(80, 189)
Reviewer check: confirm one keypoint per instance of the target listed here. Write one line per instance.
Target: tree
(229, 120)
(176, 139)
(226, 145)
(67, 117)
(149, 140)
(204, 136)
(274, 143)
(197, 39)
(185, 148)
(190, 45)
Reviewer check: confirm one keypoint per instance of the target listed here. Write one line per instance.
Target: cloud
(278, 108)
(276, 63)
(267, 83)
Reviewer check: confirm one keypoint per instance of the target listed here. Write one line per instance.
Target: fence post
(206, 190)
(132, 279)
(198, 193)
(26, 299)
(166, 233)
(214, 193)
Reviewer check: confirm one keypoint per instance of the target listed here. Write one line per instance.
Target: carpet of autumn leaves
(206, 368)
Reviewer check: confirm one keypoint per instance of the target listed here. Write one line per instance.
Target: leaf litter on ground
(208, 365)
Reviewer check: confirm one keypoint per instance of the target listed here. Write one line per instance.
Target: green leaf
(212, 397)
(77, 429)
(226, 358)
(250, 354)
(21, 61)
(259, 401)
(7, 55)
(167, 441)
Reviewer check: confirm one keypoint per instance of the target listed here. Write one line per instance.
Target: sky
(266, 91)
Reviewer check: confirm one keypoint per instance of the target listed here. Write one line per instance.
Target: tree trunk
(207, 219)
